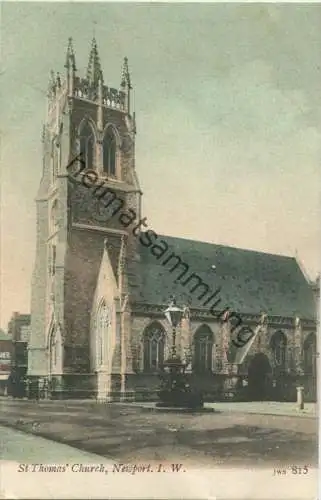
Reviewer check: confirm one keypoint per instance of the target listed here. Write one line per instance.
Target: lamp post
(175, 390)
(174, 316)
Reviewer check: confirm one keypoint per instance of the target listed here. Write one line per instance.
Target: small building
(19, 331)
(5, 361)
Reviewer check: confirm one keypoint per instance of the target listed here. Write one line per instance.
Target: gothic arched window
(203, 349)
(154, 344)
(278, 345)
(102, 324)
(87, 144)
(109, 153)
(309, 355)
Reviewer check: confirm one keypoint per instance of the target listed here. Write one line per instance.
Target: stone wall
(82, 266)
(226, 381)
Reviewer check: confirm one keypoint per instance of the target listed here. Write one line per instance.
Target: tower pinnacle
(94, 71)
(125, 76)
(70, 56)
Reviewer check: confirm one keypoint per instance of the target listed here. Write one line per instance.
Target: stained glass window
(279, 345)
(154, 344)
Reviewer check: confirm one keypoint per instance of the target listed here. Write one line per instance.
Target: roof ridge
(225, 246)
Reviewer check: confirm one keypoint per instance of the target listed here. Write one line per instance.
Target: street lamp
(174, 316)
(175, 390)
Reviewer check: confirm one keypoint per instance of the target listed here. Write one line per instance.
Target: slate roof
(251, 281)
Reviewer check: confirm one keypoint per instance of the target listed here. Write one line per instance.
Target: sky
(227, 100)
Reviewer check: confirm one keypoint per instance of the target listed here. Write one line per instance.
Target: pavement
(268, 408)
(19, 449)
(310, 410)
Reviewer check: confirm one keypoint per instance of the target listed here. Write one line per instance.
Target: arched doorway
(203, 350)
(259, 378)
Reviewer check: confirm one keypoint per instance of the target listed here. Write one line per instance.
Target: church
(102, 277)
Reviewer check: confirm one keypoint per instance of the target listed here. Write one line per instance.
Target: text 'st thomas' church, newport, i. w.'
(101, 284)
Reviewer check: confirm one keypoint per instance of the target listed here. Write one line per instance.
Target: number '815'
(299, 470)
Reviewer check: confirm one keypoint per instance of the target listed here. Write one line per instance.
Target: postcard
(160, 269)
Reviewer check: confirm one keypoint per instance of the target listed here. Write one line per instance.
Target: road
(129, 433)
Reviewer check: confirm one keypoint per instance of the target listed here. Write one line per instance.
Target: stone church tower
(93, 123)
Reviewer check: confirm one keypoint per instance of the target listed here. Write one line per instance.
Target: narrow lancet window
(109, 153)
(87, 143)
